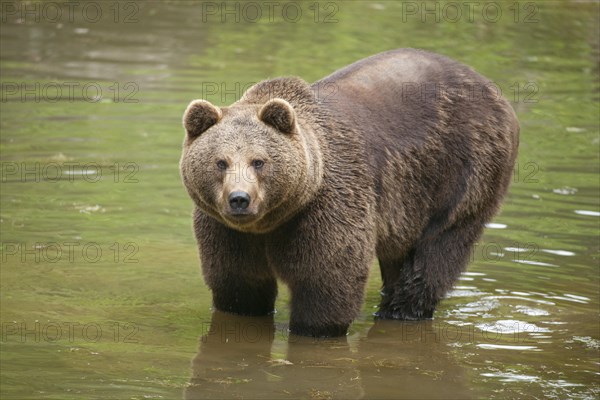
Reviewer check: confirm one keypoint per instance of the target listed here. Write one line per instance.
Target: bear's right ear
(199, 116)
(279, 114)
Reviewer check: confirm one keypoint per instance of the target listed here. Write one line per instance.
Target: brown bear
(402, 156)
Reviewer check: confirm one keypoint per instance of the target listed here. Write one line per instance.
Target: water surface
(101, 295)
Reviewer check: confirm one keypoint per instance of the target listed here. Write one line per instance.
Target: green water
(101, 295)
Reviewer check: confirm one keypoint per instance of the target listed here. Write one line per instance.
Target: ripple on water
(587, 340)
(565, 190)
(549, 303)
(588, 213)
(464, 291)
(507, 347)
(493, 225)
(520, 293)
(562, 383)
(518, 249)
(534, 312)
(511, 326)
(559, 252)
(484, 305)
(528, 251)
(489, 279)
(572, 298)
(538, 263)
(91, 171)
(511, 377)
(581, 298)
(85, 209)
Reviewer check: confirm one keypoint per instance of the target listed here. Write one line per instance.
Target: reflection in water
(252, 358)
(395, 360)
(234, 358)
(409, 360)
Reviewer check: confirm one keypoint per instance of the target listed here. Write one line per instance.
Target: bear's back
(433, 130)
(401, 95)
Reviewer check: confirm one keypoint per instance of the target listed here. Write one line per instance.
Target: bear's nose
(239, 201)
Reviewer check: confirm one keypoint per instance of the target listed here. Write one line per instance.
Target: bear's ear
(199, 116)
(279, 114)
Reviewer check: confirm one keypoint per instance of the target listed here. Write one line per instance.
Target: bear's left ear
(279, 114)
(199, 116)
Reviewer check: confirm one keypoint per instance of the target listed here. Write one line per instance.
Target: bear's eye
(257, 164)
(222, 165)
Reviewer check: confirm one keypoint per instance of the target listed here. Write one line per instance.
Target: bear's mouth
(242, 222)
(238, 217)
(240, 214)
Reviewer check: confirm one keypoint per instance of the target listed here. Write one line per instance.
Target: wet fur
(410, 180)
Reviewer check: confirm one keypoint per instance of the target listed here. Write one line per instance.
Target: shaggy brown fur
(406, 162)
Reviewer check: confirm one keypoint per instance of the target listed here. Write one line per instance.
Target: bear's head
(252, 165)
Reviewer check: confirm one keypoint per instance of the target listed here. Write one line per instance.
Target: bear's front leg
(235, 268)
(327, 279)
(325, 309)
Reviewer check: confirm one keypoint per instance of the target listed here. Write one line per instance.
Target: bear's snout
(239, 201)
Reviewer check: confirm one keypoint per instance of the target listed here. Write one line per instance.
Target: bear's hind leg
(427, 273)
(390, 273)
